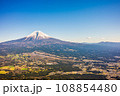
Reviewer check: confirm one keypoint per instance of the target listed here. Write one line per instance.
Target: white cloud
(89, 37)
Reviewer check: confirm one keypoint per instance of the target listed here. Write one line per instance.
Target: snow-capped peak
(37, 35)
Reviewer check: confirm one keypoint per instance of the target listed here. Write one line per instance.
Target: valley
(39, 65)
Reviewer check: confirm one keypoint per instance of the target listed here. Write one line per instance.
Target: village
(41, 65)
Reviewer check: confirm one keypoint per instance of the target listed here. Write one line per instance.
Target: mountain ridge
(41, 42)
(39, 35)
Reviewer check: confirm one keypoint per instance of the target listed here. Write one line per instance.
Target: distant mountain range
(38, 41)
(111, 44)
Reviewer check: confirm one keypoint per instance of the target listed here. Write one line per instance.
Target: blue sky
(70, 20)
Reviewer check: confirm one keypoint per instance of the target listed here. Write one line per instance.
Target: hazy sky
(71, 20)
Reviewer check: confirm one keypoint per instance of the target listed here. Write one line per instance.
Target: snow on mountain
(37, 35)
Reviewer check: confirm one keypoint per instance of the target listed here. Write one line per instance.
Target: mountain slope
(38, 41)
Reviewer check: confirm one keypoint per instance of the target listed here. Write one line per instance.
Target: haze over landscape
(69, 20)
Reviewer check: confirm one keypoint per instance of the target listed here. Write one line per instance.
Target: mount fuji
(37, 38)
(38, 41)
